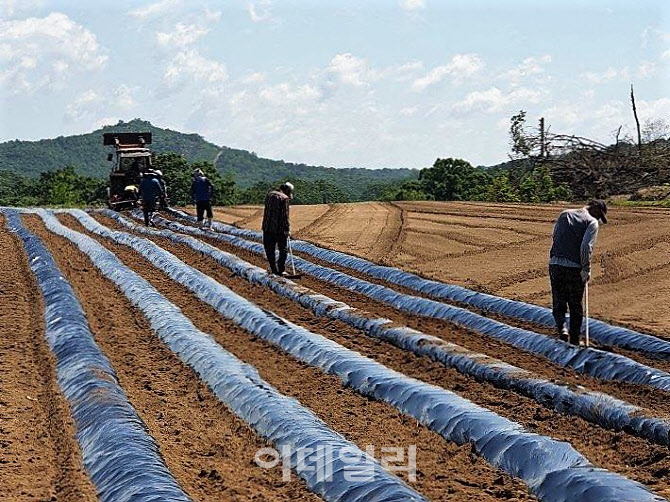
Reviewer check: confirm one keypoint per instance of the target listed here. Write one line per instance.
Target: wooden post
(637, 121)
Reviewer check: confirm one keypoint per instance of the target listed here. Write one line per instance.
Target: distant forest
(72, 171)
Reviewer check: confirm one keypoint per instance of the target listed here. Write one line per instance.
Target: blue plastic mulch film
(596, 407)
(278, 418)
(601, 332)
(121, 458)
(535, 459)
(594, 362)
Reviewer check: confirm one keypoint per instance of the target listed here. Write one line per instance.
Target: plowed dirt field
(498, 248)
(209, 446)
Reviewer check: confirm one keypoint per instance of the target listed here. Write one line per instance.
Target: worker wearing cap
(575, 234)
(276, 226)
(202, 191)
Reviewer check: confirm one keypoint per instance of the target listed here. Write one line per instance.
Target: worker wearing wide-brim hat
(276, 226)
(574, 237)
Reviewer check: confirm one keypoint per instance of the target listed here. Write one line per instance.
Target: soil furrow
(653, 399)
(649, 361)
(391, 236)
(40, 458)
(207, 448)
(591, 440)
(441, 466)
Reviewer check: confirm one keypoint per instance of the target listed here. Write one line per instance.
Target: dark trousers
(567, 289)
(148, 207)
(201, 206)
(271, 241)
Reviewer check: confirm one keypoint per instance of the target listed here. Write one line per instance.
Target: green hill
(88, 156)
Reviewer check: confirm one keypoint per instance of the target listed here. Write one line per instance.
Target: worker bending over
(276, 226)
(575, 234)
(203, 192)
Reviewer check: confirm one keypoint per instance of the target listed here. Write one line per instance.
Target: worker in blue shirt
(202, 191)
(151, 191)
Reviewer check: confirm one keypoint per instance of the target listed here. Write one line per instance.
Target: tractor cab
(131, 158)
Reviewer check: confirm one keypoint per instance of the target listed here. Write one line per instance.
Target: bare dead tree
(591, 168)
(637, 121)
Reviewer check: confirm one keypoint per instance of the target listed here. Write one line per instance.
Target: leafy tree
(409, 190)
(501, 190)
(306, 192)
(178, 176)
(64, 187)
(453, 179)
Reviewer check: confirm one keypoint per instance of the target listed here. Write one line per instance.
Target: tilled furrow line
(445, 471)
(640, 357)
(39, 456)
(483, 342)
(601, 332)
(208, 449)
(412, 396)
(119, 456)
(593, 441)
(594, 406)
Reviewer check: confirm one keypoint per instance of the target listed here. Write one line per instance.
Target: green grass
(641, 203)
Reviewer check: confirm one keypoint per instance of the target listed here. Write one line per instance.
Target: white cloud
(646, 69)
(153, 9)
(105, 121)
(253, 78)
(190, 66)
(285, 92)
(494, 99)
(260, 11)
(90, 104)
(349, 69)
(39, 53)
(460, 66)
(412, 5)
(666, 55)
(10, 8)
(85, 104)
(182, 35)
(123, 97)
(607, 75)
(212, 16)
(528, 67)
(408, 111)
(655, 109)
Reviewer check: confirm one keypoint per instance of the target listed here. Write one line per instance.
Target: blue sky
(394, 83)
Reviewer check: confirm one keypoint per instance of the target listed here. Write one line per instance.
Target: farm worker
(276, 226)
(575, 235)
(163, 196)
(150, 191)
(202, 191)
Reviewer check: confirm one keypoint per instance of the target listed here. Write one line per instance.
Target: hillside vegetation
(88, 156)
(544, 167)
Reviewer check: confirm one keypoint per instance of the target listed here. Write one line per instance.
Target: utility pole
(543, 150)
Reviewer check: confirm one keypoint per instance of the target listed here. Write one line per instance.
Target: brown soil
(207, 448)
(640, 395)
(445, 471)
(594, 442)
(503, 248)
(40, 458)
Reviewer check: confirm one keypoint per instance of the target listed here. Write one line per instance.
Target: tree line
(544, 167)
